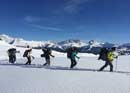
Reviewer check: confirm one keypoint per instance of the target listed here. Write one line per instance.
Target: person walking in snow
(28, 55)
(72, 55)
(47, 53)
(108, 58)
(12, 55)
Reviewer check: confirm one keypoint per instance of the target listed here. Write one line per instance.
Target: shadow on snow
(83, 69)
(61, 68)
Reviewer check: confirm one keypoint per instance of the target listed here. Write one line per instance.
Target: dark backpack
(46, 51)
(103, 54)
(49, 51)
(25, 53)
(12, 51)
(70, 51)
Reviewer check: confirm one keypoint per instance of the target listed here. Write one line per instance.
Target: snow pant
(106, 64)
(12, 58)
(29, 61)
(73, 63)
(47, 62)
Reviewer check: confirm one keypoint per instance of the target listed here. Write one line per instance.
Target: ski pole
(116, 64)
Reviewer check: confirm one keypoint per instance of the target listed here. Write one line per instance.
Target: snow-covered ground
(58, 78)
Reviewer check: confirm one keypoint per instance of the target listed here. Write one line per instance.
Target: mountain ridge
(91, 46)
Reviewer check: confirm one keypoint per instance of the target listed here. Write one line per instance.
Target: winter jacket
(111, 56)
(74, 55)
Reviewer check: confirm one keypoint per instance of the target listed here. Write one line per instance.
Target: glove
(116, 57)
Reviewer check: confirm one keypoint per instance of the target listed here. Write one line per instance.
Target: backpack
(46, 51)
(103, 54)
(25, 53)
(49, 51)
(69, 52)
(12, 51)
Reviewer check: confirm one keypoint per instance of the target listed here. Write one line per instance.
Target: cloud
(34, 22)
(45, 27)
(73, 6)
(31, 19)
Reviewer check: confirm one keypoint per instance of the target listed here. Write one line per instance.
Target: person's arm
(75, 54)
(77, 57)
(31, 55)
(115, 55)
(17, 51)
(52, 55)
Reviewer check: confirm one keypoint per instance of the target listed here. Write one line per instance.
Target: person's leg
(29, 60)
(13, 59)
(47, 62)
(111, 66)
(73, 63)
(104, 66)
(10, 60)
(44, 64)
(26, 62)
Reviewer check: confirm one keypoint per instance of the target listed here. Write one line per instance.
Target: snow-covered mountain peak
(70, 43)
(6, 38)
(94, 43)
(91, 46)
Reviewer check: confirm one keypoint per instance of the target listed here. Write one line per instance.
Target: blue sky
(101, 20)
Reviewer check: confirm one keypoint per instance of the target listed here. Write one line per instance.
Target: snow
(3, 49)
(36, 52)
(6, 38)
(58, 78)
(19, 42)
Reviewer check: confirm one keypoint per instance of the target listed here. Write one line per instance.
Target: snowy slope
(58, 78)
(3, 49)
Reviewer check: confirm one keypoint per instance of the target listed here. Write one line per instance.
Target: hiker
(46, 54)
(72, 55)
(28, 55)
(109, 56)
(12, 55)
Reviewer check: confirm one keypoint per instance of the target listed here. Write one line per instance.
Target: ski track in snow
(58, 78)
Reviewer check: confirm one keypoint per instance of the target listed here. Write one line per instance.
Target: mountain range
(91, 46)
